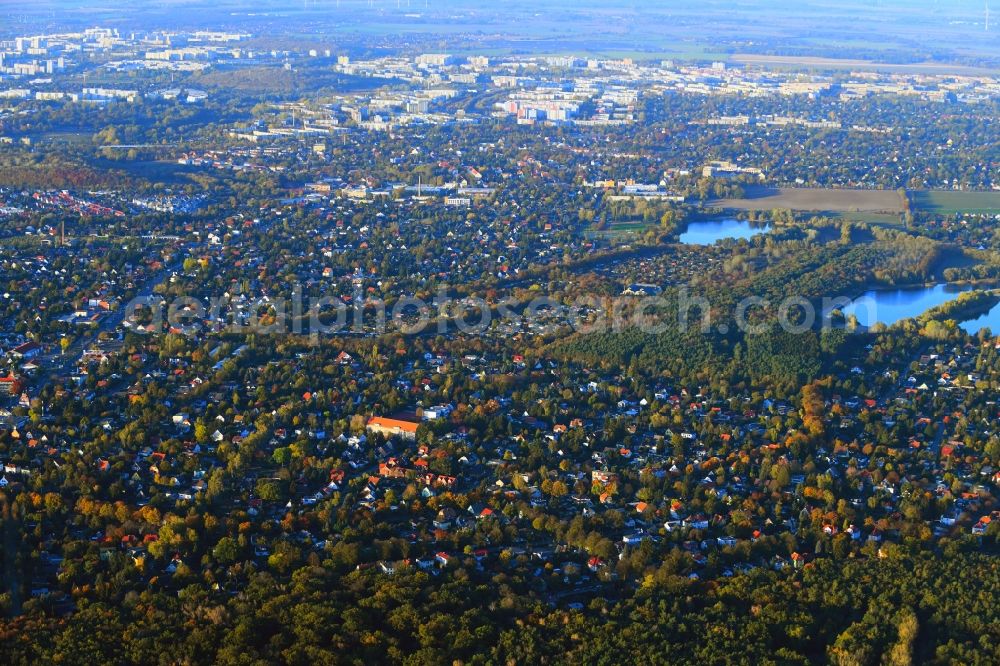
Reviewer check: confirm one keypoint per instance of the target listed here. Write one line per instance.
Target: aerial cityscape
(416, 332)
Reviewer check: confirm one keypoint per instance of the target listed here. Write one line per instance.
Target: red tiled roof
(392, 424)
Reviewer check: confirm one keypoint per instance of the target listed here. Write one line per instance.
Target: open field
(619, 231)
(815, 199)
(877, 219)
(949, 202)
(164, 171)
(873, 206)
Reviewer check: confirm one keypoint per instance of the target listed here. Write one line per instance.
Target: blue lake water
(990, 320)
(709, 232)
(889, 306)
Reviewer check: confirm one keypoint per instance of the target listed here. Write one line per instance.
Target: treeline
(902, 608)
(56, 175)
(968, 305)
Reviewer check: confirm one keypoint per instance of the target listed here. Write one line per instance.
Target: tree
(202, 431)
(901, 653)
(226, 550)
(269, 490)
(282, 455)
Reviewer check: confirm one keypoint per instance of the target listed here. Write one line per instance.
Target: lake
(889, 306)
(709, 232)
(990, 320)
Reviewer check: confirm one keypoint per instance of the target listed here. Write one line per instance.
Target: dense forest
(902, 607)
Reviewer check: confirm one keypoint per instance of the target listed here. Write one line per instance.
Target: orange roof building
(393, 427)
(10, 385)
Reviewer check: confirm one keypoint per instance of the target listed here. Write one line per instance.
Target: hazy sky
(901, 29)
